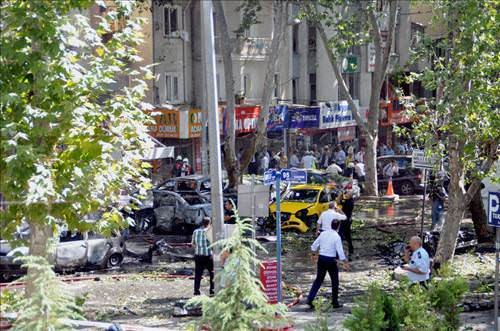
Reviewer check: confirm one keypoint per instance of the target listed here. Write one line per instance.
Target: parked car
(74, 251)
(408, 181)
(174, 213)
(302, 205)
(194, 184)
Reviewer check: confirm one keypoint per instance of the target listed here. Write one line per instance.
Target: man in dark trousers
(330, 252)
(347, 202)
(203, 258)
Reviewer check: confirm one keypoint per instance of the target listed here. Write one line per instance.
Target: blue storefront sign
(336, 115)
(278, 119)
(494, 209)
(304, 117)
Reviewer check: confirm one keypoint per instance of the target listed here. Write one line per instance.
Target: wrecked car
(174, 213)
(74, 251)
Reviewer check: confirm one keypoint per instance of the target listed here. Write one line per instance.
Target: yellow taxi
(301, 206)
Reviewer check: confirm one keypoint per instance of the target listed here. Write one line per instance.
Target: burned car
(75, 251)
(174, 213)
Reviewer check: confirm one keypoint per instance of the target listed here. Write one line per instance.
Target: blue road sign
(494, 209)
(298, 176)
(269, 177)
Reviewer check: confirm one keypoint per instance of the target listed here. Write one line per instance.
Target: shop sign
(277, 118)
(346, 133)
(246, 118)
(337, 114)
(167, 123)
(269, 279)
(195, 120)
(304, 117)
(350, 64)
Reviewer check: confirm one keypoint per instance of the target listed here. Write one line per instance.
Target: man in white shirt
(418, 267)
(264, 162)
(340, 156)
(308, 161)
(360, 156)
(333, 169)
(328, 216)
(330, 250)
(294, 160)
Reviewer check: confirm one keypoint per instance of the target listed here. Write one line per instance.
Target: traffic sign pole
(278, 232)
(497, 277)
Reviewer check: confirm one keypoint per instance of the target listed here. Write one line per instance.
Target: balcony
(252, 48)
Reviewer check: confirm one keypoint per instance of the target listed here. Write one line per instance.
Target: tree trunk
(456, 204)
(38, 246)
(478, 215)
(230, 161)
(279, 26)
(370, 159)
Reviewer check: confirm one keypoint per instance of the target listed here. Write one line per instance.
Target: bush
(321, 307)
(368, 314)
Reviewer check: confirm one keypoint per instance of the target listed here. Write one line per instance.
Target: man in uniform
(330, 251)
(418, 267)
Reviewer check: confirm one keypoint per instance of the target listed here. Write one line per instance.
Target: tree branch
(491, 157)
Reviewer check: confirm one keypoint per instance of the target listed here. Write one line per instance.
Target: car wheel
(407, 188)
(115, 260)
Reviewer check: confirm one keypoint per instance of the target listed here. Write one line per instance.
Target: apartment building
(304, 74)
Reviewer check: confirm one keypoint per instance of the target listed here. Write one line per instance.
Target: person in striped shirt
(203, 258)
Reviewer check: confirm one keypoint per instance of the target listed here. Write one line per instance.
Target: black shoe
(212, 293)
(337, 305)
(310, 305)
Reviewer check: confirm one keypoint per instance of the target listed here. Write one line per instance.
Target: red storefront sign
(246, 118)
(269, 280)
(393, 113)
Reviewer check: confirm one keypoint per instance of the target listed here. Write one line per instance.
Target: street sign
(269, 177)
(494, 209)
(269, 280)
(420, 161)
(287, 175)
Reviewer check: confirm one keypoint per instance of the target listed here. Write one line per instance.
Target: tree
(69, 142)
(341, 25)
(240, 304)
(463, 123)
(230, 160)
(280, 14)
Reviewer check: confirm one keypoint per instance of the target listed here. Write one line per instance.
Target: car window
(168, 185)
(205, 186)
(187, 185)
(404, 163)
(67, 236)
(163, 199)
(323, 197)
(301, 195)
(195, 200)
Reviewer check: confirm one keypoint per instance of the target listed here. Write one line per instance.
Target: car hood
(291, 206)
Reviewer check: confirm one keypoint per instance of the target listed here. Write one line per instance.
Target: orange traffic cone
(390, 189)
(390, 211)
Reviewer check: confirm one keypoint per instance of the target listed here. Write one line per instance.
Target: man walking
(203, 258)
(346, 225)
(328, 216)
(330, 251)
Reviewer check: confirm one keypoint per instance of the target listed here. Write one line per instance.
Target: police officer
(418, 267)
(330, 251)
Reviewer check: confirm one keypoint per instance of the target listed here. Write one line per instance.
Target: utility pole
(213, 123)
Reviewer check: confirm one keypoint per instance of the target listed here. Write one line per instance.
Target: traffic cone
(390, 189)
(390, 192)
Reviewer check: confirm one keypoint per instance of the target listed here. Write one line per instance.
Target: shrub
(321, 307)
(368, 314)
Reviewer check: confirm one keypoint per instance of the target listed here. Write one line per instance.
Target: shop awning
(160, 153)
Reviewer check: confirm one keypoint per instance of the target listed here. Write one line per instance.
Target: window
(171, 87)
(295, 38)
(352, 82)
(311, 37)
(246, 85)
(170, 24)
(312, 88)
(276, 85)
(294, 90)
